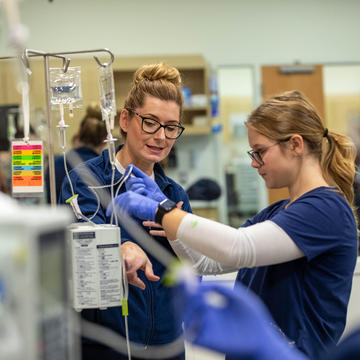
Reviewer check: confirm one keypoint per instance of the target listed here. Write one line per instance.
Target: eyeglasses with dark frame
(257, 155)
(151, 126)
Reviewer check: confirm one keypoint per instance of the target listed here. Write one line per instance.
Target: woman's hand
(143, 184)
(134, 204)
(135, 259)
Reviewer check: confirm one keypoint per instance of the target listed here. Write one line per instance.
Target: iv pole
(66, 61)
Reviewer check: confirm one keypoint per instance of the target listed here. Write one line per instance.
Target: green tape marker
(124, 306)
(194, 223)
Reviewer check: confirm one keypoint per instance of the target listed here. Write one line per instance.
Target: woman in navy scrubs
(297, 254)
(150, 123)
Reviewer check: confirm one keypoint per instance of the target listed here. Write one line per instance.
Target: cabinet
(194, 73)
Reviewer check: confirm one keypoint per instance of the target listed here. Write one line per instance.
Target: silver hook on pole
(66, 63)
(25, 58)
(26, 62)
(108, 63)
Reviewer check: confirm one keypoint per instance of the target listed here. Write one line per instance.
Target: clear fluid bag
(66, 86)
(107, 93)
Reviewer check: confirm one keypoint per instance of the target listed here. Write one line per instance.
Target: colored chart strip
(27, 147)
(26, 152)
(27, 180)
(27, 163)
(26, 173)
(26, 157)
(27, 166)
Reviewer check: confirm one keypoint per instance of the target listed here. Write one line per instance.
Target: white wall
(341, 79)
(225, 32)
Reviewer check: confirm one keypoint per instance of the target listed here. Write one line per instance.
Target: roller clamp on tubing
(164, 207)
(68, 201)
(75, 206)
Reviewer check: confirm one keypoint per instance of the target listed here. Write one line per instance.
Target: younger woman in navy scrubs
(298, 254)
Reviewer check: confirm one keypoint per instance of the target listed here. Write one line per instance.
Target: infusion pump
(36, 319)
(96, 266)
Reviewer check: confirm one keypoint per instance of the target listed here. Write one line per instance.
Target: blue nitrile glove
(135, 205)
(143, 184)
(234, 322)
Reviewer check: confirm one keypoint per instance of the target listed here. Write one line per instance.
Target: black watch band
(164, 207)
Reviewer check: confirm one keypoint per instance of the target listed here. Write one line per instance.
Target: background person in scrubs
(88, 143)
(297, 254)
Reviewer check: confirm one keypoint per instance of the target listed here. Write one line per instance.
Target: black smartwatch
(164, 207)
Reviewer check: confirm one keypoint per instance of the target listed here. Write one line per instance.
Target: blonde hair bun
(157, 72)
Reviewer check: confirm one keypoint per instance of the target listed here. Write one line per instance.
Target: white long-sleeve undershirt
(214, 248)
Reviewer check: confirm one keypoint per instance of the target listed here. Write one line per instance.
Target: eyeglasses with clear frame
(257, 155)
(151, 126)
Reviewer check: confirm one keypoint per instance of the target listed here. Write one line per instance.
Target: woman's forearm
(257, 245)
(171, 222)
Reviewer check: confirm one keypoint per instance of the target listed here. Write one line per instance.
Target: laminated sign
(27, 167)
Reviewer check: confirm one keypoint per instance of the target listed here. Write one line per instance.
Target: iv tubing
(120, 182)
(62, 126)
(126, 296)
(112, 193)
(67, 173)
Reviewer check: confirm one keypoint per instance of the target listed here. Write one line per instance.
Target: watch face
(168, 205)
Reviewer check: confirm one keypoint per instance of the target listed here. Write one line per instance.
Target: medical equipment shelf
(37, 90)
(197, 129)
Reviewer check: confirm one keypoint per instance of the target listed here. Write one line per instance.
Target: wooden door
(308, 80)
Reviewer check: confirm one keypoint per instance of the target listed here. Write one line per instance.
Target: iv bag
(66, 86)
(107, 93)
